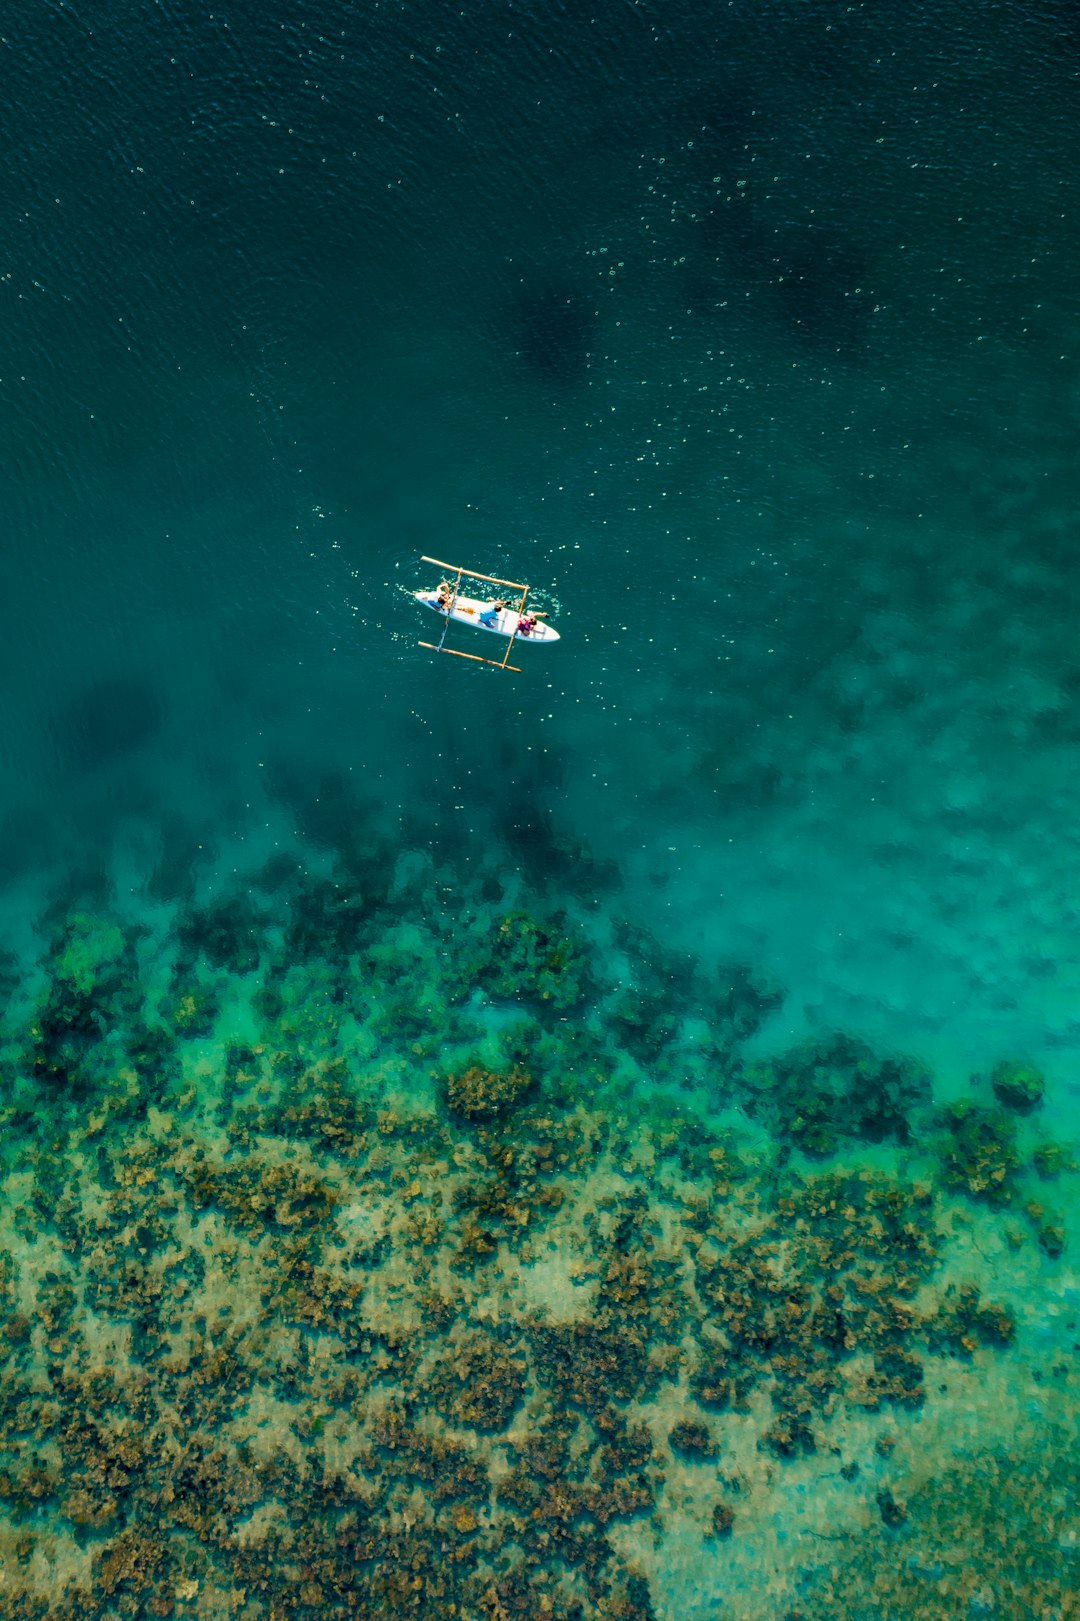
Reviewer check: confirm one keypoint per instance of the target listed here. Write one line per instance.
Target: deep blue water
(746, 333)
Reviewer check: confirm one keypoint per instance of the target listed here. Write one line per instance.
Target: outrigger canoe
(501, 616)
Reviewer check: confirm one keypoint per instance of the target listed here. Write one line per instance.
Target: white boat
(500, 621)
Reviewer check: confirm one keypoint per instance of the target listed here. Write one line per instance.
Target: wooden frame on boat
(471, 574)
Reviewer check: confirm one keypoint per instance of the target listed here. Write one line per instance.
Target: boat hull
(468, 611)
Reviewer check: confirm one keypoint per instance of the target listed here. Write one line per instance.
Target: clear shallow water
(748, 338)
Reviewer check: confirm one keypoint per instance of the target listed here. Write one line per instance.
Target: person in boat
(528, 623)
(489, 614)
(444, 596)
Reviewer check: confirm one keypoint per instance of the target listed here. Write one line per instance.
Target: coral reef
(366, 1308)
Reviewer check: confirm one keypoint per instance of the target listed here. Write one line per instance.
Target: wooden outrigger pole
(492, 579)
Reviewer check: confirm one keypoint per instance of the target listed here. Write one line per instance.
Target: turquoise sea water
(748, 335)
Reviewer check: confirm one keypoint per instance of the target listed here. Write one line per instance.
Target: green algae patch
(1052, 1160)
(88, 953)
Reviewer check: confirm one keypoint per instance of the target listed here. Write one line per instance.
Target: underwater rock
(897, 1377)
(1051, 1238)
(80, 1007)
(590, 1364)
(63, 1039)
(192, 1008)
(1017, 1085)
(720, 1382)
(644, 1023)
(1052, 1160)
(649, 1012)
(268, 1003)
(744, 1001)
(963, 1322)
(154, 1057)
(328, 918)
(624, 1479)
(87, 997)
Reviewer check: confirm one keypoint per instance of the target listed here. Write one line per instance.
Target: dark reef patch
(825, 1091)
(554, 329)
(822, 284)
(110, 719)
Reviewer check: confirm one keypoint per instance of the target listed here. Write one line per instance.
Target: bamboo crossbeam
(496, 664)
(492, 579)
